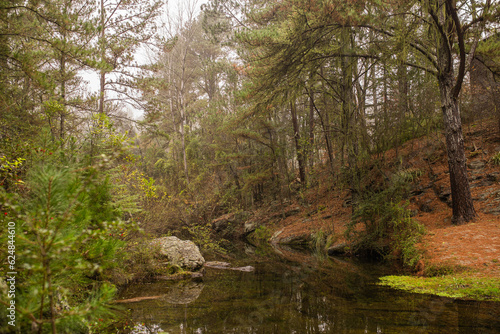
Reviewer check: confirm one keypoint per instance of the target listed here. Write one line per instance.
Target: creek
(297, 292)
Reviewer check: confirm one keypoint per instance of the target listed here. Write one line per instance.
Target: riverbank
(447, 251)
(457, 285)
(295, 291)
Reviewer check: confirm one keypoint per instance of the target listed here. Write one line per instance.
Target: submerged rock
(227, 266)
(339, 249)
(183, 253)
(218, 264)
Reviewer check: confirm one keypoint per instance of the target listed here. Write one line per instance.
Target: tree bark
(298, 146)
(182, 108)
(62, 115)
(350, 123)
(450, 87)
(462, 204)
(311, 131)
(183, 139)
(324, 126)
(103, 59)
(402, 77)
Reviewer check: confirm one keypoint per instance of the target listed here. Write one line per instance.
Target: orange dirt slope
(475, 245)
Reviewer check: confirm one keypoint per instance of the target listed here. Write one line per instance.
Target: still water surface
(294, 292)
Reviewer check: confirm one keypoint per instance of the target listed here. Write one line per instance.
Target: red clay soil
(475, 245)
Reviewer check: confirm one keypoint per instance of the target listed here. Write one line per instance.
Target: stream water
(295, 292)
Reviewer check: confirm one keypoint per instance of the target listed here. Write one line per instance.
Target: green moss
(461, 286)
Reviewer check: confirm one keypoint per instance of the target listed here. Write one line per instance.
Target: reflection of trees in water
(283, 296)
(151, 313)
(426, 313)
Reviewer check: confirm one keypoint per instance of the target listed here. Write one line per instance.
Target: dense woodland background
(244, 102)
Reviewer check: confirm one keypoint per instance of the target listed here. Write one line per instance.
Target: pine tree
(124, 26)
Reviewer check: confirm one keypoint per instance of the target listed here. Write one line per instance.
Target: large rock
(476, 164)
(183, 253)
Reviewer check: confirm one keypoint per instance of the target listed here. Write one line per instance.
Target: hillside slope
(323, 209)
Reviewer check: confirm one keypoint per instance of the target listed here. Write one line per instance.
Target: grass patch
(461, 286)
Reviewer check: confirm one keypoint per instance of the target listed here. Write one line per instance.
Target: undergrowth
(201, 235)
(68, 237)
(382, 225)
(262, 233)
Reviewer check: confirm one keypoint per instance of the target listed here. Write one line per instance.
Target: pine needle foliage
(382, 225)
(67, 235)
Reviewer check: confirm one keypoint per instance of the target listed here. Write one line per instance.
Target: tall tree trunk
(462, 204)
(298, 146)
(4, 54)
(63, 78)
(375, 99)
(102, 78)
(183, 139)
(351, 138)
(311, 131)
(361, 91)
(101, 91)
(324, 126)
(450, 87)
(62, 98)
(183, 115)
(328, 141)
(496, 103)
(385, 109)
(276, 163)
(402, 76)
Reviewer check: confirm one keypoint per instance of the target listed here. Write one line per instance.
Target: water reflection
(300, 294)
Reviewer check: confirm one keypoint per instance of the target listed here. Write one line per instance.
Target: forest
(125, 120)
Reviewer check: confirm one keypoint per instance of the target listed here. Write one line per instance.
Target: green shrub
(201, 235)
(67, 235)
(262, 233)
(387, 228)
